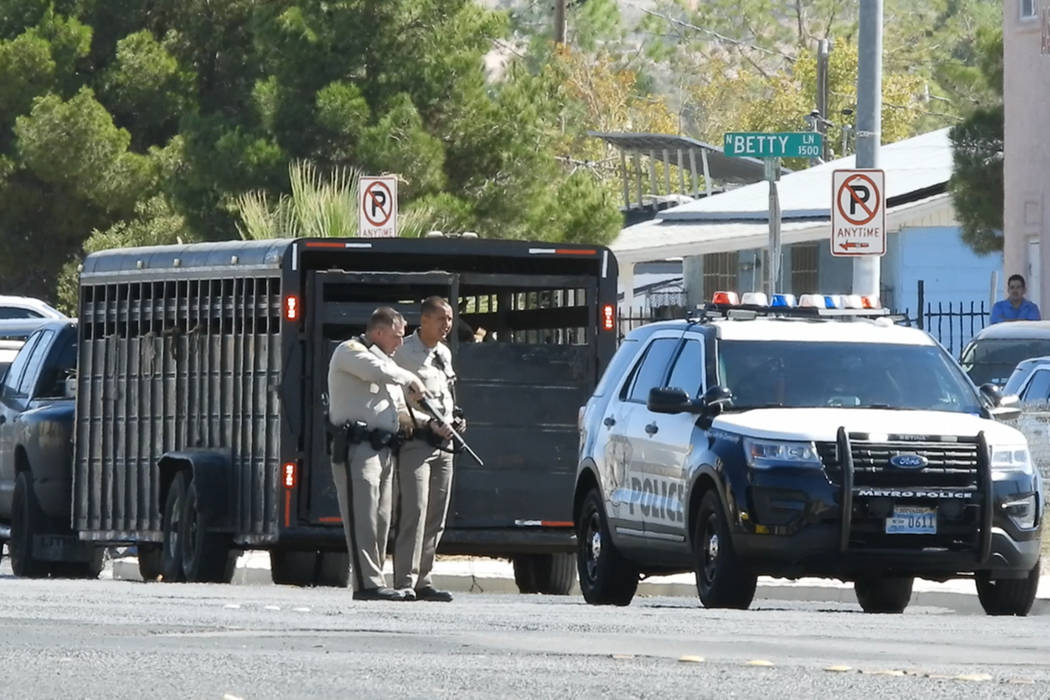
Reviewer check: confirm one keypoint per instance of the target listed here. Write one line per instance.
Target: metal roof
(913, 164)
(721, 167)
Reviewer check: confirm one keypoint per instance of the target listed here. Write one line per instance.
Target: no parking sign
(377, 207)
(858, 212)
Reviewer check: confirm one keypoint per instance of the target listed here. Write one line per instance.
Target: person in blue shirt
(1015, 307)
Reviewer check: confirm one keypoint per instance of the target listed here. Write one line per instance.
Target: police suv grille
(949, 464)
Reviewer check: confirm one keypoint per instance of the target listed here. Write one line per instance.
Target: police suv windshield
(798, 374)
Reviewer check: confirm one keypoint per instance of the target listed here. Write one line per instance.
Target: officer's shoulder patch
(355, 344)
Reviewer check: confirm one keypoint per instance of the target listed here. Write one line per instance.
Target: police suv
(801, 441)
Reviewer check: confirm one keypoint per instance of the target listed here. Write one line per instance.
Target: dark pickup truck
(36, 457)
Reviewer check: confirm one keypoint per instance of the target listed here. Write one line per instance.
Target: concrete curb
(494, 576)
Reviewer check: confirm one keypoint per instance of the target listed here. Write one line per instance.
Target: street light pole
(866, 268)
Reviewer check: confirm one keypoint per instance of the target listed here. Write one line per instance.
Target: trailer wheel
(26, 520)
(151, 561)
(291, 568)
(333, 569)
(206, 556)
(1008, 596)
(550, 574)
(171, 550)
(89, 569)
(525, 573)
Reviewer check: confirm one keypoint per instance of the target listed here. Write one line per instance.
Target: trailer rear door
(521, 392)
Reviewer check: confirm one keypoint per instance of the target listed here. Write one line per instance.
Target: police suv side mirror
(991, 394)
(671, 400)
(1000, 406)
(714, 399)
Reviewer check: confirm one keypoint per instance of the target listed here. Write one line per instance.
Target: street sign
(805, 144)
(377, 207)
(858, 212)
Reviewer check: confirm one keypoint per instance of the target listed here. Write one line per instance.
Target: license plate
(909, 520)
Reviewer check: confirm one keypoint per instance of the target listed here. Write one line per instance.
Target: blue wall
(952, 271)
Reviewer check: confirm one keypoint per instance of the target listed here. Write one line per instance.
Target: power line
(713, 33)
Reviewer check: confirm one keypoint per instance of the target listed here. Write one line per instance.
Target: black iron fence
(952, 324)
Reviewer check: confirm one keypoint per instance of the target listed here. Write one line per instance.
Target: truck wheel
(89, 569)
(1007, 596)
(26, 520)
(606, 578)
(171, 549)
(721, 580)
(207, 557)
(884, 594)
(291, 568)
(151, 561)
(333, 569)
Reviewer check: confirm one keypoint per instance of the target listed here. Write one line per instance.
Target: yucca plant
(318, 207)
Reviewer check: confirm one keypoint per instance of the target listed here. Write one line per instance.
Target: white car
(14, 307)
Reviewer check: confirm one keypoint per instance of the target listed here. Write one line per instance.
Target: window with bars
(804, 277)
(720, 273)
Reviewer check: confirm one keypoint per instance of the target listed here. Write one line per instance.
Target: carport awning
(659, 240)
(721, 168)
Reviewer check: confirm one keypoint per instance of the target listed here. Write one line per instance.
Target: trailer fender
(211, 472)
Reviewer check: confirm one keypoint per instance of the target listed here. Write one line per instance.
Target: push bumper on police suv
(933, 508)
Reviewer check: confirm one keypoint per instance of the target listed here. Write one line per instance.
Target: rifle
(428, 404)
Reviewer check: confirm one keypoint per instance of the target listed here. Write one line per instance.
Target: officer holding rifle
(424, 470)
(370, 420)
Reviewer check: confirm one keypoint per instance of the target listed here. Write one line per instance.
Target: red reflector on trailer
(290, 474)
(291, 308)
(608, 317)
(324, 244)
(574, 251)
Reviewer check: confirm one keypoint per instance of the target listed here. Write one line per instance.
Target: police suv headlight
(770, 454)
(1011, 458)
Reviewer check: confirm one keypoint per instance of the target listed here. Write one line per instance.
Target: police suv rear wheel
(884, 594)
(606, 578)
(1008, 596)
(721, 580)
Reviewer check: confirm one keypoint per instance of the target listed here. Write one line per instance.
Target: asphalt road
(115, 639)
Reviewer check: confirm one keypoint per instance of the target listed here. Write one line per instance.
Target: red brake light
(291, 473)
(291, 308)
(608, 317)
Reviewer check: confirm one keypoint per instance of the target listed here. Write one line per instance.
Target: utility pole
(866, 268)
(559, 21)
(823, 51)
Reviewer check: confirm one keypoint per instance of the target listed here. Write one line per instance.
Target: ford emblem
(909, 461)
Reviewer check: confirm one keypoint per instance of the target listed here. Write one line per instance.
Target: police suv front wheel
(1008, 596)
(721, 580)
(606, 578)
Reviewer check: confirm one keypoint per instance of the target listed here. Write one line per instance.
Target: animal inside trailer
(201, 425)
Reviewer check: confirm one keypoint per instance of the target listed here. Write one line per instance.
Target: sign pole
(866, 269)
(773, 269)
(770, 148)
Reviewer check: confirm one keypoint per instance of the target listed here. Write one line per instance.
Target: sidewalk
(483, 575)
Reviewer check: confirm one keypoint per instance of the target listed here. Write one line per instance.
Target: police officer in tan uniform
(424, 471)
(367, 392)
